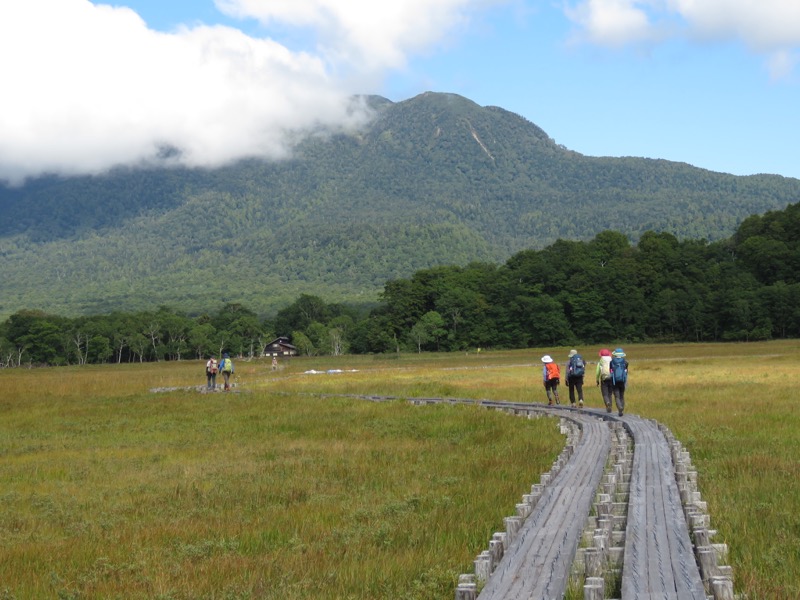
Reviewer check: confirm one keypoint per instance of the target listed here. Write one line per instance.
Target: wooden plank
(659, 562)
(538, 562)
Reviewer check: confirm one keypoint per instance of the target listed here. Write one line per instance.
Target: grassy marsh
(111, 491)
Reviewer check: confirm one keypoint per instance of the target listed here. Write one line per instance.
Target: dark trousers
(605, 389)
(618, 390)
(575, 383)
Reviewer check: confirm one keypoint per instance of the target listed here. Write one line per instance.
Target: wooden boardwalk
(659, 558)
(536, 557)
(538, 562)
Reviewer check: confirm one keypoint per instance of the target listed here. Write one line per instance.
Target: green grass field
(286, 489)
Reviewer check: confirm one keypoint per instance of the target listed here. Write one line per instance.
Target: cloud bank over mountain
(88, 86)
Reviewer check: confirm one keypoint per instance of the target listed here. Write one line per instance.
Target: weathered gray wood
(594, 589)
(659, 561)
(722, 588)
(466, 591)
(663, 503)
(538, 561)
(593, 558)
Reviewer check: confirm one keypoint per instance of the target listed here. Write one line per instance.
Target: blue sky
(714, 83)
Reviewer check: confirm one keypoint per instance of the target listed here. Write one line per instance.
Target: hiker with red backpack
(603, 377)
(551, 377)
(211, 373)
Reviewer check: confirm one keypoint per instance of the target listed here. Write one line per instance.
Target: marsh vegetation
(288, 488)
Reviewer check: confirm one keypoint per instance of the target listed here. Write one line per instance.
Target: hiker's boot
(580, 403)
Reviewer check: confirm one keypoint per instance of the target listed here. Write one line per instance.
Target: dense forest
(432, 181)
(604, 290)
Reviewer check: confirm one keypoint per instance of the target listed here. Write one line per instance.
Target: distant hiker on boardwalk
(551, 377)
(274, 363)
(619, 378)
(211, 373)
(576, 369)
(226, 367)
(603, 377)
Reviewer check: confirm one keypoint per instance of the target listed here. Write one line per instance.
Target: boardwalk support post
(467, 589)
(594, 589)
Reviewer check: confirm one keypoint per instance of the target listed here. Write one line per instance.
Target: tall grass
(109, 491)
(287, 490)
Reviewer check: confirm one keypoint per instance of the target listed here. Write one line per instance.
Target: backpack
(212, 366)
(226, 365)
(552, 371)
(577, 368)
(605, 370)
(619, 374)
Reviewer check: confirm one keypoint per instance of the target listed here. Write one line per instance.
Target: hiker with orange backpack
(551, 377)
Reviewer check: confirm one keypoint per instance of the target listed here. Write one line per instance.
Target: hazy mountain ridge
(432, 180)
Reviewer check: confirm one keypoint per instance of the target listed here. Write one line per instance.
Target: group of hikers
(225, 366)
(611, 376)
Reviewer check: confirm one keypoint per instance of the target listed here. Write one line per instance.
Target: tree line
(659, 290)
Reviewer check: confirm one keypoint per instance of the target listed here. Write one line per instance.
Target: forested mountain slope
(432, 180)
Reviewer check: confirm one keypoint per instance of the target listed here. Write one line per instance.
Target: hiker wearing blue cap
(619, 378)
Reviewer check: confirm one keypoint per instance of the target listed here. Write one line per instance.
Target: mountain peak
(432, 180)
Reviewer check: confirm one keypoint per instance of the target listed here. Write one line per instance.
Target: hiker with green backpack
(603, 377)
(226, 368)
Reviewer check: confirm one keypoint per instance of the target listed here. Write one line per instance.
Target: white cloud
(370, 33)
(762, 24)
(766, 26)
(611, 22)
(87, 87)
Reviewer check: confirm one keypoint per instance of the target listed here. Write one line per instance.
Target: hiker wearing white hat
(551, 377)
